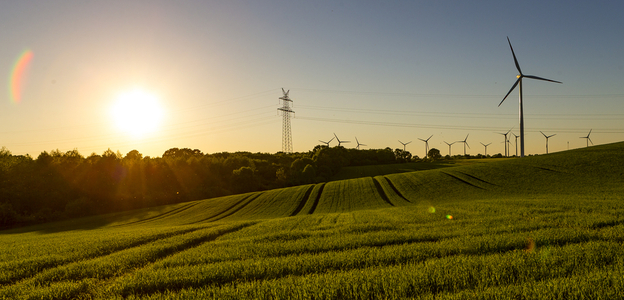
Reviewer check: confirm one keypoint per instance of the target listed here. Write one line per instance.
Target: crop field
(549, 227)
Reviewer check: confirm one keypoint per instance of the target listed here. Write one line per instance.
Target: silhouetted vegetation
(59, 184)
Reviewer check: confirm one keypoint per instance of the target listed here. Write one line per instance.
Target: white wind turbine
(505, 142)
(587, 138)
(426, 145)
(484, 145)
(339, 141)
(547, 137)
(516, 136)
(358, 144)
(449, 146)
(404, 144)
(519, 82)
(465, 143)
(327, 143)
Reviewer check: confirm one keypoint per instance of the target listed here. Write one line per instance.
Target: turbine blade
(284, 92)
(590, 141)
(422, 140)
(408, 142)
(512, 87)
(467, 145)
(540, 78)
(429, 137)
(514, 56)
(589, 132)
(331, 140)
(543, 134)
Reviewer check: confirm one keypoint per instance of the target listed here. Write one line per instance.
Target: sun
(137, 112)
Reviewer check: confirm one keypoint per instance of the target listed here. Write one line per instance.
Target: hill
(544, 226)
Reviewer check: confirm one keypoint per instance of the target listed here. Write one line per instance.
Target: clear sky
(380, 70)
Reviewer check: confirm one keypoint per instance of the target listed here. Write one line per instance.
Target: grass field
(549, 227)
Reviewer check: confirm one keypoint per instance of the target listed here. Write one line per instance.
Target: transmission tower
(286, 134)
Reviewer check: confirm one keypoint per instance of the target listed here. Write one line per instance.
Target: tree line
(59, 185)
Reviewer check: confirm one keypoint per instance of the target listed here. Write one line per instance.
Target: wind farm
(151, 150)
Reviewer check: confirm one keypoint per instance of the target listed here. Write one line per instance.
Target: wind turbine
(519, 82)
(547, 137)
(426, 145)
(506, 140)
(449, 146)
(484, 145)
(588, 139)
(465, 143)
(339, 141)
(327, 143)
(358, 143)
(404, 144)
(516, 136)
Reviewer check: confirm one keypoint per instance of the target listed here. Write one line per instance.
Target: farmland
(539, 227)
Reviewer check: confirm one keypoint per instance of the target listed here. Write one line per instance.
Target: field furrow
(121, 262)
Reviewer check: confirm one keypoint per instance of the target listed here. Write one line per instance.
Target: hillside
(518, 228)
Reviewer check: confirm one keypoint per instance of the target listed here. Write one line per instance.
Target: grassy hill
(546, 226)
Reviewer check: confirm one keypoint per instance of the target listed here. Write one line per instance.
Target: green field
(549, 227)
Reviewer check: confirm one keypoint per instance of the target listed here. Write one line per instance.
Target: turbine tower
(519, 83)
(327, 143)
(358, 143)
(426, 145)
(587, 138)
(339, 141)
(449, 146)
(404, 144)
(286, 133)
(516, 136)
(465, 143)
(484, 145)
(547, 137)
(505, 142)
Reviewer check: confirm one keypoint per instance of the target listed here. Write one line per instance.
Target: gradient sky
(379, 70)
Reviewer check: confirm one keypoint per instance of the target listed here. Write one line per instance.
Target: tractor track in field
(381, 191)
(462, 180)
(44, 276)
(317, 199)
(107, 252)
(303, 201)
(163, 215)
(395, 189)
(477, 178)
(243, 199)
(476, 252)
(235, 210)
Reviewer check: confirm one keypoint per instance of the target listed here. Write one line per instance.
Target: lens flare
(449, 217)
(431, 209)
(18, 76)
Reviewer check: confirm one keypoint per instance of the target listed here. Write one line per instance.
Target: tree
(434, 153)
(134, 155)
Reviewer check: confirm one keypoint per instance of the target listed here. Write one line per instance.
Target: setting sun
(137, 112)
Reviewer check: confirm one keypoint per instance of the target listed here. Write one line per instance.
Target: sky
(381, 71)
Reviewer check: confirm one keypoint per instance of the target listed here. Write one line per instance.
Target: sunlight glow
(137, 112)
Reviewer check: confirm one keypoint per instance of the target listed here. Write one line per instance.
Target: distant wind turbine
(587, 138)
(327, 143)
(404, 144)
(519, 82)
(465, 143)
(358, 143)
(449, 146)
(506, 140)
(339, 141)
(484, 145)
(426, 145)
(516, 136)
(547, 137)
